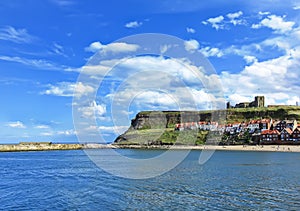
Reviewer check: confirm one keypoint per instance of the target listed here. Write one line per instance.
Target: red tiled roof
(270, 132)
(265, 120)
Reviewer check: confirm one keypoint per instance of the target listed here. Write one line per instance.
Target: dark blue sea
(68, 180)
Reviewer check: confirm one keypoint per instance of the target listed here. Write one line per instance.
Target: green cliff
(155, 127)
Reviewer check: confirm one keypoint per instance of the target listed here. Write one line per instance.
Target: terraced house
(263, 131)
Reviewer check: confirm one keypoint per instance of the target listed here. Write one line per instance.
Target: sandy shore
(263, 148)
(46, 147)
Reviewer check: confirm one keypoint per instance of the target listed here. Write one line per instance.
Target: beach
(263, 148)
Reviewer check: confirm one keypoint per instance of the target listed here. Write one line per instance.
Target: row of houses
(285, 136)
(264, 131)
(253, 125)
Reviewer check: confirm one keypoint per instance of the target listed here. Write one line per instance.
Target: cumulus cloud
(191, 45)
(17, 124)
(233, 17)
(276, 23)
(117, 47)
(92, 110)
(68, 89)
(133, 24)
(275, 78)
(216, 22)
(211, 52)
(12, 34)
(161, 84)
(190, 30)
(250, 59)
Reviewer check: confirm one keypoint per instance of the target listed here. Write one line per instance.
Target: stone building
(259, 101)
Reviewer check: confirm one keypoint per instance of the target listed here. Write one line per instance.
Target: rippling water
(68, 180)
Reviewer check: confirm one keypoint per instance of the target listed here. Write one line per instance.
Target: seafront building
(264, 131)
(261, 131)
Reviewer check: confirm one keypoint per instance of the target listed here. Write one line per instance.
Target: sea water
(68, 180)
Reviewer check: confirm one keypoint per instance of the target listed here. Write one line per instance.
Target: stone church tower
(259, 101)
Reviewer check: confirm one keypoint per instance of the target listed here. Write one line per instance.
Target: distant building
(286, 135)
(269, 136)
(259, 101)
(296, 134)
(280, 125)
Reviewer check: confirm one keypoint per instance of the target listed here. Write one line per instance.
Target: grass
(167, 136)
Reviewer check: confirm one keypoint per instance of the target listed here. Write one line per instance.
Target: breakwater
(47, 146)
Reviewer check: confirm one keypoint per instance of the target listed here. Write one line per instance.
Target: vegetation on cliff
(157, 128)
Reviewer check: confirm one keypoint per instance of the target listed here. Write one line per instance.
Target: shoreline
(49, 147)
(256, 148)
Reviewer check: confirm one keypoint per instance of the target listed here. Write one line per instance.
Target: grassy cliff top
(240, 114)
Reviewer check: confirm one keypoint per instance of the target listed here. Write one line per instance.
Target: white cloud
(47, 134)
(190, 30)
(211, 52)
(101, 69)
(164, 48)
(67, 89)
(297, 7)
(66, 132)
(16, 124)
(133, 24)
(42, 127)
(237, 98)
(293, 100)
(234, 15)
(250, 59)
(191, 45)
(215, 22)
(9, 33)
(263, 13)
(113, 129)
(117, 47)
(59, 133)
(92, 110)
(160, 84)
(276, 78)
(277, 23)
(234, 18)
(36, 63)
(58, 49)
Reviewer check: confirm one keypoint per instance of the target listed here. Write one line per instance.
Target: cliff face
(155, 120)
(167, 119)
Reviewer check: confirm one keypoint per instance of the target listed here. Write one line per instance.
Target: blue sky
(253, 46)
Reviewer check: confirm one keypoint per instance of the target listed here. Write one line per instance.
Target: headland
(273, 125)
